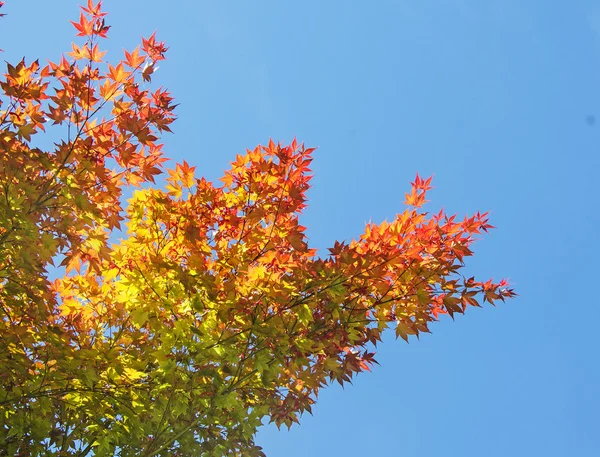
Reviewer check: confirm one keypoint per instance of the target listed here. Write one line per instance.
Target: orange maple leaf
(84, 27)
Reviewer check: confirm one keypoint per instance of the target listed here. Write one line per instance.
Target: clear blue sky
(493, 97)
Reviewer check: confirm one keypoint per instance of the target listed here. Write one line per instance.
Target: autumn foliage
(211, 313)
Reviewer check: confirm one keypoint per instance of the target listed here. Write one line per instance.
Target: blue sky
(497, 99)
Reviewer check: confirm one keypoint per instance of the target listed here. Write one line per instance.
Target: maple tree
(211, 313)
